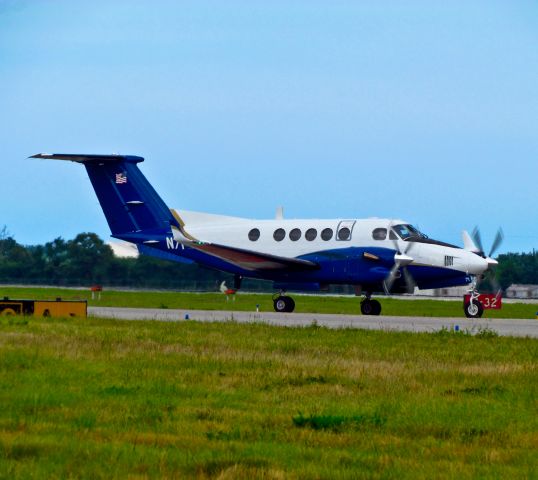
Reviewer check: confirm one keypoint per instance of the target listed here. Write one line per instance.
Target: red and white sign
(489, 301)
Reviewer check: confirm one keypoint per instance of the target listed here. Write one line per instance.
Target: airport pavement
(504, 327)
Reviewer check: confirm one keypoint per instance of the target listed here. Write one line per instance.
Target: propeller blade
(391, 277)
(477, 238)
(410, 283)
(495, 284)
(468, 243)
(394, 239)
(409, 247)
(497, 242)
(400, 259)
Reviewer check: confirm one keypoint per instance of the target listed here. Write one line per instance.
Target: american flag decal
(121, 178)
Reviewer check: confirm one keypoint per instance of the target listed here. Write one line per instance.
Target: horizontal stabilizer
(83, 158)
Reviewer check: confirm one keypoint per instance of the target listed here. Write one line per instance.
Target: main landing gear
(282, 303)
(369, 306)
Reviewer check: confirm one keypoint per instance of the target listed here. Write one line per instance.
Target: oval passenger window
(344, 233)
(295, 234)
(279, 234)
(253, 235)
(311, 234)
(327, 234)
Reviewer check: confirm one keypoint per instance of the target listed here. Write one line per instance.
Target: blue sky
(426, 111)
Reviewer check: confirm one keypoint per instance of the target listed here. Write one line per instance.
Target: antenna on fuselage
(279, 214)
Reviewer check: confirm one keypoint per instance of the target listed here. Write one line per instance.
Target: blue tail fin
(133, 209)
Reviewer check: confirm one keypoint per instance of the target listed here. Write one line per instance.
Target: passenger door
(345, 230)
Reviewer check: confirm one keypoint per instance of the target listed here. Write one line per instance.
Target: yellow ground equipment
(44, 308)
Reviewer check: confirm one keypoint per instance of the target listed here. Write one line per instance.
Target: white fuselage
(234, 232)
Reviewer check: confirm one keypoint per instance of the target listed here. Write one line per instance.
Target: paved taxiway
(505, 327)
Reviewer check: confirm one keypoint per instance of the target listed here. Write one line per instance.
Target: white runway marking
(504, 327)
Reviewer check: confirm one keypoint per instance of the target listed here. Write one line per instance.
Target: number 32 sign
(489, 301)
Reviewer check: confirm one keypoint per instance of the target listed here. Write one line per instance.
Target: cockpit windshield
(408, 232)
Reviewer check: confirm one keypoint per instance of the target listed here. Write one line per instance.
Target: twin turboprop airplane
(373, 255)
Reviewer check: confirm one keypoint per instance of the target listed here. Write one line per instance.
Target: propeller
(401, 260)
(499, 238)
(497, 241)
(477, 238)
(410, 283)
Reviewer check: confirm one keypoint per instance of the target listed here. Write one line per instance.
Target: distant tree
(54, 260)
(37, 271)
(119, 271)
(15, 260)
(88, 258)
(4, 233)
(517, 268)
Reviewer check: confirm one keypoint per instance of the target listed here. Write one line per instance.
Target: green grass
(91, 398)
(247, 302)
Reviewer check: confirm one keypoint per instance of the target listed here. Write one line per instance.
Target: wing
(247, 259)
(253, 261)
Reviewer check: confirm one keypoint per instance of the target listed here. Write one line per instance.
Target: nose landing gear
(472, 307)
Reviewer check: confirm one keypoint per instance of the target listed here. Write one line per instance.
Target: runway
(504, 327)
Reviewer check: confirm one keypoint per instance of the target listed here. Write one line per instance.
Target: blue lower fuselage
(339, 266)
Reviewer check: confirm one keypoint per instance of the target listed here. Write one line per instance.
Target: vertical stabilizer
(130, 204)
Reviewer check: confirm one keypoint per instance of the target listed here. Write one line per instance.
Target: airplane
(374, 255)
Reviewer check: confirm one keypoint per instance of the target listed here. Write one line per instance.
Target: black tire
(370, 307)
(284, 304)
(291, 304)
(376, 307)
(473, 310)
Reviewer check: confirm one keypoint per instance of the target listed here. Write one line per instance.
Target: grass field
(91, 398)
(248, 302)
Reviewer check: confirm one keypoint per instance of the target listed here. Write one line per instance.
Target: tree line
(88, 260)
(517, 268)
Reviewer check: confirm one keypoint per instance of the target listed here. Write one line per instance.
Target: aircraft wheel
(291, 304)
(473, 310)
(284, 304)
(370, 307)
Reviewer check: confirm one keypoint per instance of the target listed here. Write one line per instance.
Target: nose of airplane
(476, 265)
(492, 262)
